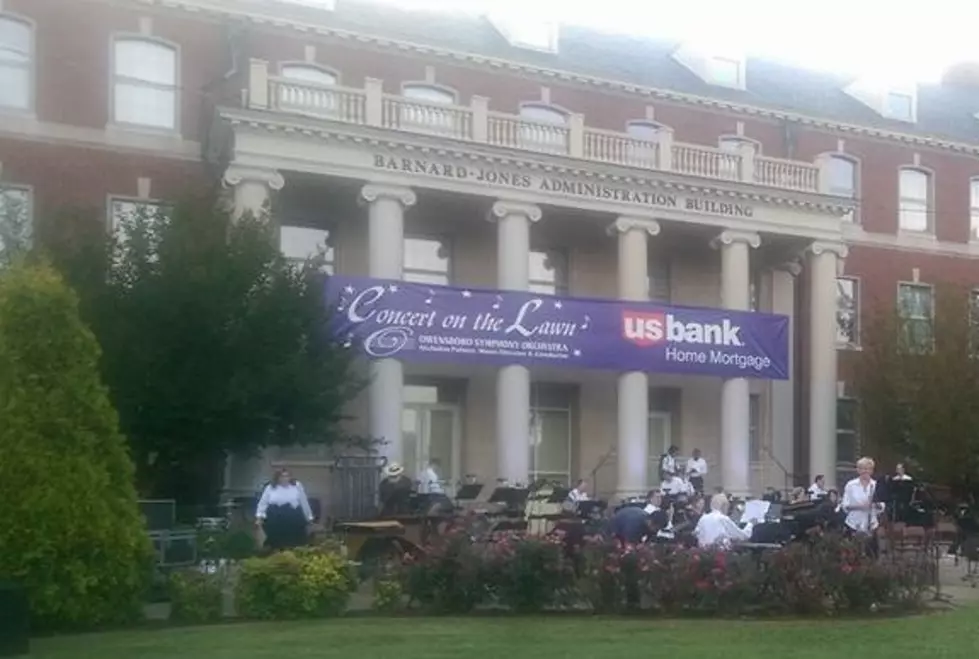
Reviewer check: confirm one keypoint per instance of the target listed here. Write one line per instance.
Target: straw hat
(393, 469)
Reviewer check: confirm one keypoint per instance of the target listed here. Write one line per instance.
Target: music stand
(558, 495)
(591, 507)
(510, 496)
(469, 492)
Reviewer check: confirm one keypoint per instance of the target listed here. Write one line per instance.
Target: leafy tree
(918, 386)
(70, 528)
(213, 342)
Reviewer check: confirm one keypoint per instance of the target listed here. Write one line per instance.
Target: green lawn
(946, 635)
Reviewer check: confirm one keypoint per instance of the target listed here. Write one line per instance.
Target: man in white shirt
(431, 483)
(676, 485)
(716, 529)
(858, 500)
(900, 474)
(579, 492)
(696, 471)
(817, 490)
(667, 464)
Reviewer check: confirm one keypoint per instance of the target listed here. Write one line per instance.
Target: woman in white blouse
(858, 500)
(283, 512)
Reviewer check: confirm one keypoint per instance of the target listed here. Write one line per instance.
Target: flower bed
(826, 576)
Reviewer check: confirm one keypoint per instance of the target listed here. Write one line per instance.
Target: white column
(513, 381)
(253, 188)
(735, 249)
(385, 216)
(632, 448)
(825, 260)
(783, 391)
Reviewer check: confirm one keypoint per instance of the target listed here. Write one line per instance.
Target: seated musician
(395, 491)
(579, 492)
(717, 529)
(676, 485)
(818, 488)
(901, 474)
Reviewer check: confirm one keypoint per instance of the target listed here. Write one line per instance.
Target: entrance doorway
(432, 430)
(660, 440)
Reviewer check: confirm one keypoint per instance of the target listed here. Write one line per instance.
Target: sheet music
(755, 511)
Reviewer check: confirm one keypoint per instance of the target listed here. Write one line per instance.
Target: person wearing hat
(395, 490)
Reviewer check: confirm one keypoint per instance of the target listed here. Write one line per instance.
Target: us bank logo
(646, 328)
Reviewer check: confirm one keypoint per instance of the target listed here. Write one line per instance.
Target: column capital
(235, 175)
(374, 191)
(503, 208)
(793, 267)
(625, 223)
(820, 247)
(732, 236)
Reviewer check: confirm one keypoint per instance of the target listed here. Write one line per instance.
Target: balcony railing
(476, 123)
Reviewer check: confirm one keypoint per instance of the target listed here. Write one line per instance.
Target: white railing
(475, 123)
(621, 149)
(790, 174)
(707, 162)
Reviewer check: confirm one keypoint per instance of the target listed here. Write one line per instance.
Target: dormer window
(714, 68)
(726, 72)
(899, 106)
(525, 32)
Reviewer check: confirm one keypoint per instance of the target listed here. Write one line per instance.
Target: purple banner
(422, 322)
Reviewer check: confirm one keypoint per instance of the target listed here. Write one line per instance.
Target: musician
(858, 500)
(667, 464)
(716, 529)
(431, 482)
(697, 471)
(818, 488)
(579, 492)
(677, 486)
(395, 490)
(631, 525)
(900, 474)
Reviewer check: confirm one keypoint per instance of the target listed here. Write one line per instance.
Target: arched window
(544, 128)
(843, 180)
(311, 95)
(16, 63)
(642, 153)
(427, 116)
(144, 83)
(731, 167)
(914, 201)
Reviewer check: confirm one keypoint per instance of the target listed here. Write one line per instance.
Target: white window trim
(929, 205)
(114, 38)
(112, 199)
(431, 85)
(655, 125)
(31, 108)
(911, 96)
(857, 178)
(698, 61)
(532, 450)
(29, 191)
(557, 109)
(310, 65)
(916, 284)
(858, 295)
(842, 465)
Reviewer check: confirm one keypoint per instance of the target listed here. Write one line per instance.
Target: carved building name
(559, 185)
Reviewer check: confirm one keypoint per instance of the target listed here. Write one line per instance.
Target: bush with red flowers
(825, 576)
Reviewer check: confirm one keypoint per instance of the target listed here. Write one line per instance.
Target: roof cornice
(222, 9)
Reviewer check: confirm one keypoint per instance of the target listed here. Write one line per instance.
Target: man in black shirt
(395, 491)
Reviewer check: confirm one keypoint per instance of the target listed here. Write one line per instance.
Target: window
(899, 106)
(658, 281)
(527, 31)
(754, 427)
(916, 307)
(754, 291)
(639, 153)
(544, 128)
(974, 207)
(16, 63)
(843, 180)
(429, 93)
(847, 442)
(847, 312)
(914, 205)
(15, 219)
(426, 261)
(725, 71)
(731, 167)
(145, 84)
(127, 216)
(548, 272)
(301, 244)
(428, 116)
(309, 73)
(550, 433)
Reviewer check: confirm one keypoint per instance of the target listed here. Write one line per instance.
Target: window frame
(562, 280)
(28, 190)
(329, 70)
(112, 199)
(847, 465)
(31, 65)
(114, 40)
(929, 200)
(418, 84)
(911, 117)
(857, 294)
(855, 163)
(905, 319)
(710, 71)
(556, 109)
(329, 266)
(445, 242)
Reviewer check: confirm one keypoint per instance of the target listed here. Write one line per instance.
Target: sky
(891, 42)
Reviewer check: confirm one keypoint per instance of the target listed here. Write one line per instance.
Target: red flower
(702, 585)
(846, 569)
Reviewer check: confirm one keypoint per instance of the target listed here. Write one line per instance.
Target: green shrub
(70, 527)
(294, 584)
(197, 596)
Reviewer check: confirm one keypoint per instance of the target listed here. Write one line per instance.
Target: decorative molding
(627, 223)
(820, 247)
(793, 267)
(731, 237)
(224, 11)
(374, 191)
(504, 208)
(237, 174)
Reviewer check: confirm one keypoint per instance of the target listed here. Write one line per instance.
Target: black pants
(871, 546)
(285, 528)
(698, 484)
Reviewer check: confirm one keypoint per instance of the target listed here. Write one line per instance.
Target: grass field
(947, 635)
